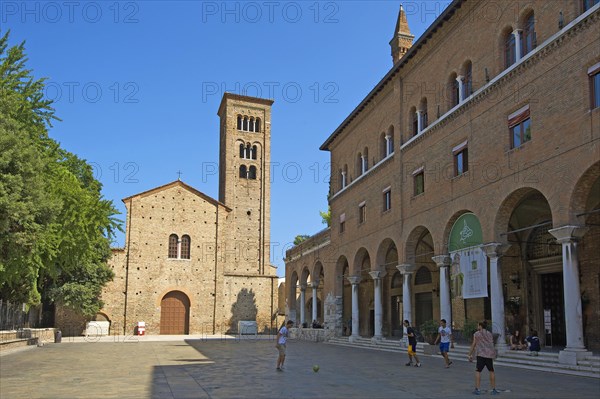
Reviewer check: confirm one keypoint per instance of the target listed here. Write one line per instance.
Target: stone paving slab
(219, 368)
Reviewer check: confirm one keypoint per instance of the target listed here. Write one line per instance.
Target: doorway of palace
(423, 308)
(175, 314)
(553, 309)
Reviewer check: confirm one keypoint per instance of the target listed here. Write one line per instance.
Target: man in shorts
(483, 344)
(445, 339)
(281, 344)
(412, 345)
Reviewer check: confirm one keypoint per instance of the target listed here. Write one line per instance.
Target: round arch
(175, 314)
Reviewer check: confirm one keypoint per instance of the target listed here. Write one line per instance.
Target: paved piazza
(216, 368)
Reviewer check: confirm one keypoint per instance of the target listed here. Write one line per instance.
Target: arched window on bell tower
(252, 173)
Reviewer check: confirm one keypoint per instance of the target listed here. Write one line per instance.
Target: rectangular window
(419, 180)
(519, 124)
(387, 200)
(594, 74)
(342, 223)
(362, 213)
(461, 161)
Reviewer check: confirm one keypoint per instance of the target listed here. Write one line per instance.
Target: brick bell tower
(245, 182)
(403, 39)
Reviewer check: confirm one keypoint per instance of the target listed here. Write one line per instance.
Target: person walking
(483, 345)
(281, 344)
(412, 344)
(445, 339)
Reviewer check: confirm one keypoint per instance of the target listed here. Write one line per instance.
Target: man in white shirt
(445, 338)
(281, 344)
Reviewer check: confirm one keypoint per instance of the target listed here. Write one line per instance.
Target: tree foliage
(55, 227)
(326, 217)
(300, 239)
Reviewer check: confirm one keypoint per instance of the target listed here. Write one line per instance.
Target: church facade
(193, 264)
(466, 184)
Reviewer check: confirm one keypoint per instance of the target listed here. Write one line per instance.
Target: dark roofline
(186, 186)
(233, 96)
(444, 16)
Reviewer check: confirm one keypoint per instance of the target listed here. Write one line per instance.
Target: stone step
(545, 361)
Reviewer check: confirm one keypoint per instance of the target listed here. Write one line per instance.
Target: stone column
(302, 304)
(517, 34)
(354, 280)
(377, 276)
(493, 251)
(461, 88)
(444, 262)
(575, 350)
(419, 121)
(407, 271)
(315, 284)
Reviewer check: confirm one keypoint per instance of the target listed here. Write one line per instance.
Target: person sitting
(516, 341)
(315, 324)
(533, 342)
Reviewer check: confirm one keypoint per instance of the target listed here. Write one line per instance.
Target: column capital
(566, 234)
(442, 260)
(315, 284)
(494, 249)
(353, 279)
(460, 78)
(517, 32)
(378, 274)
(406, 268)
(303, 287)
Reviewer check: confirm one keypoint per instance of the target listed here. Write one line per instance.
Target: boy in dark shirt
(534, 343)
(412, 345)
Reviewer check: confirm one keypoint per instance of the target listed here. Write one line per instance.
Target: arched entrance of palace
(175, 314)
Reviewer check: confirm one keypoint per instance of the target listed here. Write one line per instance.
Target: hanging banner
(468, 273)
(471, 280)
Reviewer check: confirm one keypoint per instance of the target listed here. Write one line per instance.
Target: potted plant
(429, 331)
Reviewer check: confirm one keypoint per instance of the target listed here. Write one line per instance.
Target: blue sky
(137, 85)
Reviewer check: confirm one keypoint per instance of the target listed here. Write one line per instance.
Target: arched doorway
(175, 314)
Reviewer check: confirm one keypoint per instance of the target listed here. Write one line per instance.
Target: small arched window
(245, 124)
(257, 125)
(254, 151)
(252, 173)
(528, 39)
(365, 160)
(423, 276)
(239, 122)
(242, 151)
(359, 164)
(251, 124)
(185, 247)
(173, 239)
(468, 88)
(510, 48)
(243, 172)
(383, 145)
(414, 121)
(453, 92)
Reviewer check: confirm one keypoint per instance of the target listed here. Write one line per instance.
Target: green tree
(300, 239)
(55, 227)
(326, 217)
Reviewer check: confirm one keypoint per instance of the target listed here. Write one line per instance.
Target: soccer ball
(316, 368)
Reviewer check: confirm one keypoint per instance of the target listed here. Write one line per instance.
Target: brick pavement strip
(197, 368)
